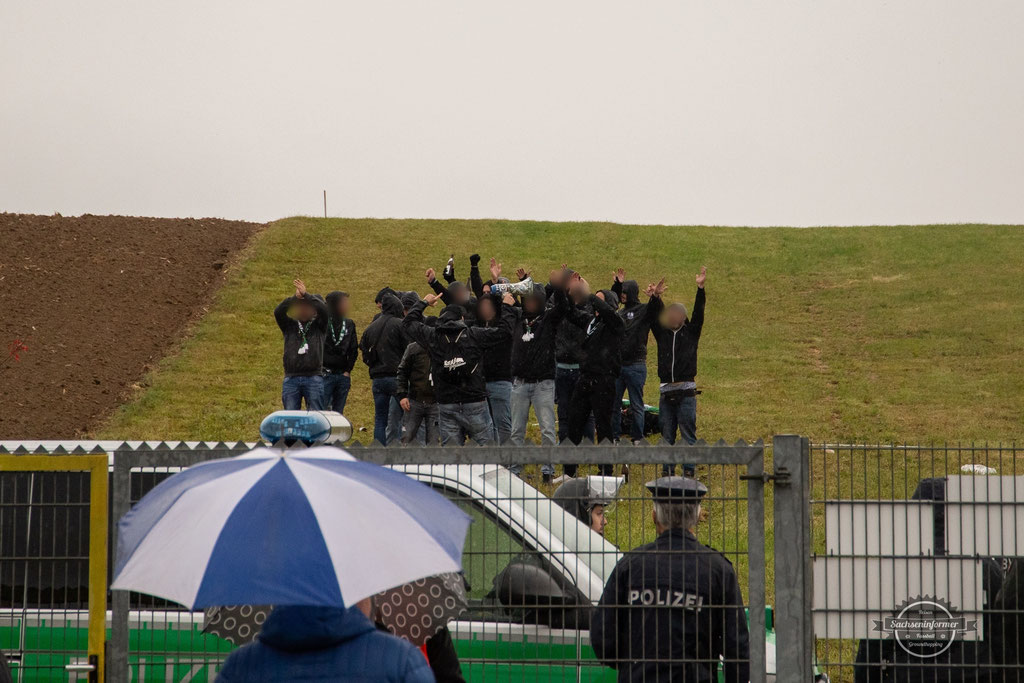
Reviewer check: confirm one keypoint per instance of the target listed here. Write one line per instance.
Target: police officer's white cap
(676, 490)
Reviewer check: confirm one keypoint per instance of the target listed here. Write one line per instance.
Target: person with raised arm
(602, 360)
(637, 317)
(678, 335)
(304, 332)
(456, 366)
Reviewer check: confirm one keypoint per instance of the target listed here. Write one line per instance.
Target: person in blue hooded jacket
(325, 644)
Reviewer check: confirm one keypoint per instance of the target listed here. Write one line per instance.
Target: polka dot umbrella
(238, 625)
(417, 610)
(414, 611)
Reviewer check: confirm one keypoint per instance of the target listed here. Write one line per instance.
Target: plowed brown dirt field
(97, 300)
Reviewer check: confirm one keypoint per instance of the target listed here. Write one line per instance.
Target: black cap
(676, 490)
(409, 299)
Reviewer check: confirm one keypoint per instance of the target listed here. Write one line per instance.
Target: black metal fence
(44, 546)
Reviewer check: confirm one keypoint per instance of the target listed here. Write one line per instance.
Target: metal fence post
(120, 503)
(794, 632)
(756, 566)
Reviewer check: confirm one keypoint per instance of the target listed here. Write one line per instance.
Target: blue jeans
(384, 389)
(294, 389)
(336, 388)
(678, 414)
(422, 417)
(631, 379)
(565, 383)
(396, 417)
(457, 421)
(499, 399)
(541, 395)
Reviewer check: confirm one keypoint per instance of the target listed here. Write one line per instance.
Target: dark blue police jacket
(670, 610)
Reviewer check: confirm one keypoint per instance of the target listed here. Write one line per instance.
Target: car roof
(585, 556)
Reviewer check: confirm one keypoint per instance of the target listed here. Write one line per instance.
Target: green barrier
(180, 653)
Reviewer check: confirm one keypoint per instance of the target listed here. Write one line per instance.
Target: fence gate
(734, 525)
(516, 530)
(53, 584)
(916, 562)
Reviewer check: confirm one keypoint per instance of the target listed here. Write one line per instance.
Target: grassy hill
(867, 333)
(842, 334)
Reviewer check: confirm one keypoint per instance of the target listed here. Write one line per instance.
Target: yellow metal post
(98, 528)
(97, 466)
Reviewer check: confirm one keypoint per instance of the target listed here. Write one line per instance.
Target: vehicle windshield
(590, 547)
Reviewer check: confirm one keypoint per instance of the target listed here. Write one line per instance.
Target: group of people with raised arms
(495, 350)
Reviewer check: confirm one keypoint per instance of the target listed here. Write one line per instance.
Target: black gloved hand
(474, 260)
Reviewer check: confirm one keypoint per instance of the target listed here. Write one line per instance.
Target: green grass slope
(868, 333)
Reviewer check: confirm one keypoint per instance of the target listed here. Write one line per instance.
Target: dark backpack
(370, 343)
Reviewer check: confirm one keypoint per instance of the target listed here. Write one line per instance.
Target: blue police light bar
(311, 427)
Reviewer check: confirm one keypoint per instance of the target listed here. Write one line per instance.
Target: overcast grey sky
(768, 113)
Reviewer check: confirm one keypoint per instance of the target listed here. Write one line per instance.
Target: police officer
(672, 608)
(589, 498)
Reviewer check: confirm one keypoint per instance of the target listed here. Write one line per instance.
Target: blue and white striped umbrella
(312, 527)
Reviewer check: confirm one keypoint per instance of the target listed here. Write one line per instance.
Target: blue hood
(300, 629)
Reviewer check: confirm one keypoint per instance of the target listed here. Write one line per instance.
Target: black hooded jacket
(313, 333)
(533, 337)
(602, 343)
(457, 351)
(414, 380)
(469, 308)
(498, 361)
(677, 349)
(341, 345)
(569, 340)
(638, 318)
(384, 340)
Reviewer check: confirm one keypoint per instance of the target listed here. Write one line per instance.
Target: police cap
(676, 490)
